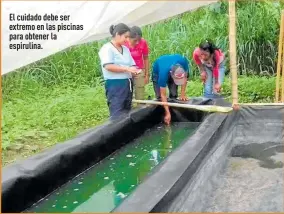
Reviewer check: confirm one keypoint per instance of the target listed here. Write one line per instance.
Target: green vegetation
(56, 98)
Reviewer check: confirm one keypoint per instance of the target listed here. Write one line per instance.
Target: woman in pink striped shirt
(211, 63)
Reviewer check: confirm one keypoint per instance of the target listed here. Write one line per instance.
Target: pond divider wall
(170, 176)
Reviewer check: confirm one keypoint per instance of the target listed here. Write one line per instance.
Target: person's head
(178, 74)
(119, 32)
(207, 49)
(135, 35)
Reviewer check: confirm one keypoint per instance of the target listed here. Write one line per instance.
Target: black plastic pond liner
(27, 181)
(182, 182)
(188, 180)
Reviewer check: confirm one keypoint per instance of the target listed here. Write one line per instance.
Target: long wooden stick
(206, 108)
(261, 104)
(282, 60)
(280, 44)
(233, 50)
(282, 82)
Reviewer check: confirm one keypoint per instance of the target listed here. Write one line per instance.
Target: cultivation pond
(251, 181)
(104, 186)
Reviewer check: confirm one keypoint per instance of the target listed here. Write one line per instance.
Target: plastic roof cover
(96, 17)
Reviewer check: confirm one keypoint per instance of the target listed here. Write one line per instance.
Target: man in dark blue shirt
(172, 71)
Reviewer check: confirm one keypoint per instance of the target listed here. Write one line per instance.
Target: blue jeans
(173, 88)
(210, 81)
(119, 94)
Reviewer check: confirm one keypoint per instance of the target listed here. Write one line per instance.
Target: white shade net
(95, 17)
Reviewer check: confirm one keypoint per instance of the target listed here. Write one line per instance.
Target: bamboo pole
(232, 51)
(282, 82)
(280, 53)
(261, 104)
(206, 108)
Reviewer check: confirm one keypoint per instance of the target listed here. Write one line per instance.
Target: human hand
(146, 80)
(236, 107)
(167, 118)
(183, 98)
(133, 70)
(203, 76)
(217, 87)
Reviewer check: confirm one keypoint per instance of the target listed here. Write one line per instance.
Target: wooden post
(280, 59)
(233, 50)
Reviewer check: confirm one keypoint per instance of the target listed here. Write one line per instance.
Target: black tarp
(184, 181)
(203, 176)
(27, 181)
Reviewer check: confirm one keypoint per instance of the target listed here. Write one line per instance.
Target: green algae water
(104, 186)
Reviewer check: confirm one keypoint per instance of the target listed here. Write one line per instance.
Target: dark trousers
(119, 94)
(173, 88)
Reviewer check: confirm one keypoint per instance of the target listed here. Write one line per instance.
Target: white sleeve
(106, 55)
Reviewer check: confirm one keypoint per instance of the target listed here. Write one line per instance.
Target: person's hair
(208, 46)
(119, 29)
(135, 31)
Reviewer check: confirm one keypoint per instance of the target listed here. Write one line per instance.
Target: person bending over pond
(118, 67)
(139, 51)
(172, 71)
(211, 63)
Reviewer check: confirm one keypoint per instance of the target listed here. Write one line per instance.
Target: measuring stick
(206, 108)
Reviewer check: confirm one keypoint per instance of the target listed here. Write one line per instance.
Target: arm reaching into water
(167, 117)
(162, 83)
